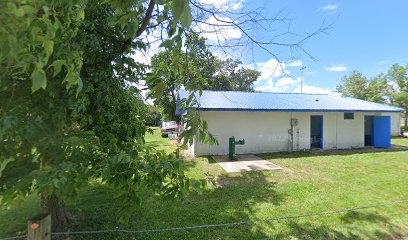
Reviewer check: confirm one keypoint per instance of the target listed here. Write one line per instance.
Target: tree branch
(146, 19)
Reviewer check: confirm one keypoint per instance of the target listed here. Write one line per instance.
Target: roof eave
(290, 110)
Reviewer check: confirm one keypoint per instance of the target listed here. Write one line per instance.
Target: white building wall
(191, 148)
(395, 121)
(268, 131)
(262, 131)
(329, 130)
(349, 132)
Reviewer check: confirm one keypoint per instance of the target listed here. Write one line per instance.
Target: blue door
(316, 131)
(381, 134)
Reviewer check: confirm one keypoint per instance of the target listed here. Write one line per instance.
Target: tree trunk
(406, 121)
(53, 205)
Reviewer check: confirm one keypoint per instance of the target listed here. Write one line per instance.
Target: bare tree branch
(146, 19)
(247, 23)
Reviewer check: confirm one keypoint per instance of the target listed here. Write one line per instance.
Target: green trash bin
(232, 143)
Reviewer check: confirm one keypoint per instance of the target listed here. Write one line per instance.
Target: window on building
(348, 115)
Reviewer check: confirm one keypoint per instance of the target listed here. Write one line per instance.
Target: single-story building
(273, 122)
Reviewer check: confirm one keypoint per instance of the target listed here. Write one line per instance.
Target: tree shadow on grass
(13, 219)
(96, 210)
(245, 178)
(237, 201)
(210, 159)
(361, 224)
(332, 152)
(308, 230)
(207, 158)
(354, 216)
(302, 229)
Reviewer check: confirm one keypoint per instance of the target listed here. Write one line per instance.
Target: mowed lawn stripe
(309, 183)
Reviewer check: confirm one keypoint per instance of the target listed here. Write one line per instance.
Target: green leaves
(72, 78)
(4, 163)
(25, 9)
(48, 48)
(57, 65)
(53, 153)
(177, 6)
(186, 16)
(149, 168)
(182, 11)
(39, 80)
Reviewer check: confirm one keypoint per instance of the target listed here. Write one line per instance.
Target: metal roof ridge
(267, 92)
(375, 103)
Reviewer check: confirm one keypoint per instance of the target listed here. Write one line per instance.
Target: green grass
(155, 140)
(309, 183)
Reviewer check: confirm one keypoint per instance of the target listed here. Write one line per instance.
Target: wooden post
(39, 227)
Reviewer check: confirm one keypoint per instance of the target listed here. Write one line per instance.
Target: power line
(222, 224)
(232, 224)
(16, 237)
(301, 78)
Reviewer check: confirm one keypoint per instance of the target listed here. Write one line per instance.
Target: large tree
(231, 75)
(358, 86)
(378, 89)
(353, 85)
(67, 112)
(398, 77)
(172, 70)
(390, 87)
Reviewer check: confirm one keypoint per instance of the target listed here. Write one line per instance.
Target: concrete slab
(245, 163)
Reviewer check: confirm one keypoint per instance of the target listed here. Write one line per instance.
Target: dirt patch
(245, 178)
(245, 163)
(185, 155)
(393, 148)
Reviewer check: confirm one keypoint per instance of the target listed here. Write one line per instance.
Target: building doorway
(377, 131)
(316, 132)
(368, 130)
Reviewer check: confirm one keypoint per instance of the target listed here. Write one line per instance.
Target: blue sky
(366, 35)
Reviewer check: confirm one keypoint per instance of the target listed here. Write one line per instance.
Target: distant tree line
(67, 114)
(171, 70)
(388, 88)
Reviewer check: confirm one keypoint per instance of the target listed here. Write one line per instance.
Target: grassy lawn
(155, 140)
(309, 183)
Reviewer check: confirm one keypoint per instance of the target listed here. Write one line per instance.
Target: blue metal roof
(294, 102)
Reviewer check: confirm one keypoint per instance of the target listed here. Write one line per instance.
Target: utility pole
(301, 78)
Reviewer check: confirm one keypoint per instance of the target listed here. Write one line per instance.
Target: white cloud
(222, 56)
(141, 57)
(238, 5)
(313, 89)
(284, 84)
(215, 30)
(296, 63)
(144, 56)
(383, 62)
(271, 69)
(225, 4)
(330, 8)
(274, 78)
(285, 81)
(288, 84)
(310, 72)
(336, 68)
(269, 86)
